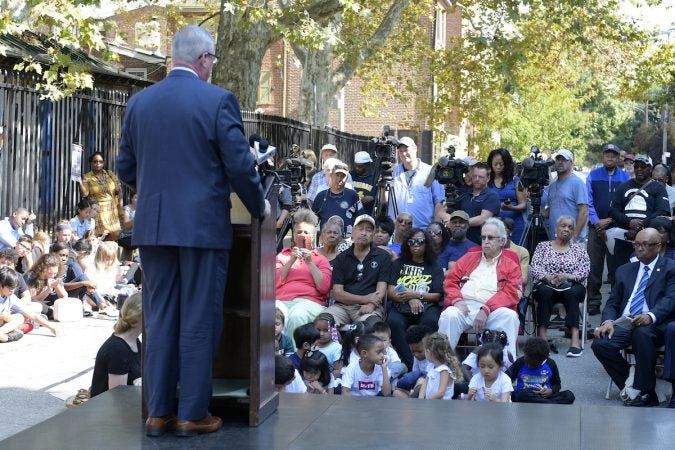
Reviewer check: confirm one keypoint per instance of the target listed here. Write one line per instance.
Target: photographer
(410, 193)
(480, 203)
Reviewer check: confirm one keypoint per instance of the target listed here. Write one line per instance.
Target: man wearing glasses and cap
(338, 200)
(635, 203)
(15, 226)
(363, 178)
(566, 196)
(360, 276)
(321, 179)
(600, 185)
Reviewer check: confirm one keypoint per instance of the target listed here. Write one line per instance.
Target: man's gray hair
(566, 217)
(189, 43)
(501, 229)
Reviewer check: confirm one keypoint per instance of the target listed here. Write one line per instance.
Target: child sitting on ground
(329, 342)
(350, 338)
(286, 377)
(441, 378)
(537, 377)
(12, 313)
(306, 336)
(284, 343)
(395, 366)
(490, 383)
(470, 363)
(315, 372)
(408, 385)
(368, 376)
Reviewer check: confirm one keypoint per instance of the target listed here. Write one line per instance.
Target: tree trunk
(240, 49)
(316, 86)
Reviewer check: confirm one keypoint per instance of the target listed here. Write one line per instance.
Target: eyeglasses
(488, 238)
(645, 244)
(434, 232)
(215, 58)
(25, 248)
(359, 275)
(416, 242)
(97, 161)
(404, 222)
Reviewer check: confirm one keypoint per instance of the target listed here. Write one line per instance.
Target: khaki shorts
(345, 314)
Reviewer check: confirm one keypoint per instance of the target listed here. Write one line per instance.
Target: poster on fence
(76, 162)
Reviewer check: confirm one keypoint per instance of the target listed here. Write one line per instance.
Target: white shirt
(359, 383)
(641, 271)
(472, 361)
(502, 384)
(434, 381)
(423, 365)
(297, 386)
(482, 283)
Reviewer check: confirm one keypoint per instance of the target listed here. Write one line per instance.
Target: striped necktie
(638, 301)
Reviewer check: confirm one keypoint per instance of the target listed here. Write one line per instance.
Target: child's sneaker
(11, 336)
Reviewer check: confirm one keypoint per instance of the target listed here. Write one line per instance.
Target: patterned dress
(105, 191)
(546, 260)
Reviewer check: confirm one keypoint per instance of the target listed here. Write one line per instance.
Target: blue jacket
(182, 149)
(601, 186)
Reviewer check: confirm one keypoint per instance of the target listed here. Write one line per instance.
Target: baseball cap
(340, 168)
(629, 157)
(364, 217)
(329, 147)
(644, 159)
(568, 155)
(407, 141)
(461, 214)
(610, 148)
(362, 158)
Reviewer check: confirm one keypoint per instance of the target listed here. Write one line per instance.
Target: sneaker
(557, 320)
(574, 352)
(11, 336)
(111, 311)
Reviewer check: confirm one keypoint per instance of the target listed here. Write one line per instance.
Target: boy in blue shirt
(537, 377)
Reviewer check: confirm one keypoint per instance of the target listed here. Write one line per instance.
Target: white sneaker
(111, 311)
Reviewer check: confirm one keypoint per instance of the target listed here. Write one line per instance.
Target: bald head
(647, 245)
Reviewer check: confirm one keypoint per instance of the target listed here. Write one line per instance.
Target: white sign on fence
(76, 162)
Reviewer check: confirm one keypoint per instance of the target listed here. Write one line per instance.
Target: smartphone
(400, 288)
(308, 244)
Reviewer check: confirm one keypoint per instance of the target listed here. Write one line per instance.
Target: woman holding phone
(303, 275)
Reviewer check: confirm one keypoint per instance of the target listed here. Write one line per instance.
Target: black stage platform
(113, 421)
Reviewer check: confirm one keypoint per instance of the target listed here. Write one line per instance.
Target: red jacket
(509, 281)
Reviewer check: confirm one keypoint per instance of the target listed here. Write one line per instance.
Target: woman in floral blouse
(559, 269)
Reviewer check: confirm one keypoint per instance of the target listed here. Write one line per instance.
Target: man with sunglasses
(15, 226)
(360, 277)
(482, 289)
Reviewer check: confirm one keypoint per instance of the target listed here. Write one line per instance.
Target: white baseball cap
(362, 158)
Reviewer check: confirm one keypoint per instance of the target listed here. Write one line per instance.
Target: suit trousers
(453, 323)
(597, 252)
(183, 292)
(669, 360)
(645, 340)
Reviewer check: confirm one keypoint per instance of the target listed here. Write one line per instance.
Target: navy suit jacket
(182, 146)
(659, 293)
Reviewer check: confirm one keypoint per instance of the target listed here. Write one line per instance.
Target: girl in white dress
(490, 383)
(440, 381)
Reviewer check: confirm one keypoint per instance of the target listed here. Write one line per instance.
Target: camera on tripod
(385, 155)
(449, 172)
(534, 173)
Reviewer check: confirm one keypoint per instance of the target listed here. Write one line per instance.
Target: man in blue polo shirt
(601, 184)
(480, 203)
(363, 179)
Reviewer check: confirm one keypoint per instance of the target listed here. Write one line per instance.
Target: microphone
(261, 149)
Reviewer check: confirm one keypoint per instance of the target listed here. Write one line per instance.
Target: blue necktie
(639, 297)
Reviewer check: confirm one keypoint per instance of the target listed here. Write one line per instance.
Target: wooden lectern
(243, 384)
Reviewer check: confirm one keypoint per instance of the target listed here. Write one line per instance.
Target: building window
(441, 27)
(265, 87)
(140, 73)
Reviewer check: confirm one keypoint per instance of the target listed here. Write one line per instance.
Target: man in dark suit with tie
(182, 147)
(645, 292)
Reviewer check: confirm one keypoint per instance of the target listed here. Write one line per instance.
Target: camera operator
(363, 178)
(481, 202)
(567, 196)
(410, 193)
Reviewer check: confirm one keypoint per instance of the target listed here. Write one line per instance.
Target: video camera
(534, 172)
(385, 156)
(449, 172)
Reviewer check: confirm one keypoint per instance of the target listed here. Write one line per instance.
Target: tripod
(535, 231)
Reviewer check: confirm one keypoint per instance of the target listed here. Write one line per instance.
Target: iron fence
(36, 136)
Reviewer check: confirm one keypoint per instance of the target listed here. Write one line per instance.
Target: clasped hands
(413, 299)
(373, 300)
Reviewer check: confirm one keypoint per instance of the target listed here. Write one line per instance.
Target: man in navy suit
(182, 147)
(645, 292)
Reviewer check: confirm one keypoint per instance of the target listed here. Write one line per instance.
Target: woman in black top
(415, 289)
(118, 361)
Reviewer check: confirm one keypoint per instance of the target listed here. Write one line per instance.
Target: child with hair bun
(118, 361)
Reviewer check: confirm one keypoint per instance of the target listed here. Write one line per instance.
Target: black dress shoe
(643, 400)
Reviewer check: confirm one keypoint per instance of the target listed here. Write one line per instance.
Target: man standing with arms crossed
(182, 147)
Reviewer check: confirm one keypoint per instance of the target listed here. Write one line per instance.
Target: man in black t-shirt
(360, 276)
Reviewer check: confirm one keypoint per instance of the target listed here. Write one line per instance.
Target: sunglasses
(434, 232)
(416, 242)
(489, 238)
(404, 222)
(359, 275)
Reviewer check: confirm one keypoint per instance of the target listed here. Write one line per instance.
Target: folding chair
(629, 356)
